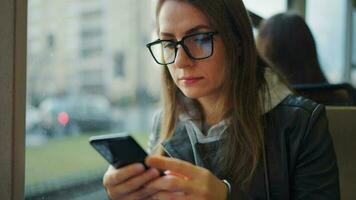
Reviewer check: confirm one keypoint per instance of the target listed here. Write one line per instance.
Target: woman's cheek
(174, 77)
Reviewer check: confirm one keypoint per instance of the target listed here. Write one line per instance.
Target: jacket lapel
(179, 146)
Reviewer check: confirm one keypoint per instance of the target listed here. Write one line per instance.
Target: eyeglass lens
(198, 46)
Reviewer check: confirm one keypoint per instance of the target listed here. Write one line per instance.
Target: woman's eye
(169, 45)
(201, 39)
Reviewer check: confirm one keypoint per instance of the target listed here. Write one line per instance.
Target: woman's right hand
(127, 183)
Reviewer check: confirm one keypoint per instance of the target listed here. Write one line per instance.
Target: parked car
(76, 114)
(33, 119)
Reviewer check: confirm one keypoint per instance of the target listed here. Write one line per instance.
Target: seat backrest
(342, 125)
(328, 94)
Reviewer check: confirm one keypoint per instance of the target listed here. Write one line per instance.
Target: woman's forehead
(179, 16)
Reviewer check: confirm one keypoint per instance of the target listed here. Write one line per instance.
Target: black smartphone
(118, 149)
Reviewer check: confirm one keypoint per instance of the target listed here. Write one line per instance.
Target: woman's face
(197, 79)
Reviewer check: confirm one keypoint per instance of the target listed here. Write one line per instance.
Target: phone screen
(118, 149)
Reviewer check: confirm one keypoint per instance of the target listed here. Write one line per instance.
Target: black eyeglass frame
(186, 49)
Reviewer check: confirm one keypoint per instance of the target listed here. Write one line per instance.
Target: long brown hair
(243, 90)
(286, 42)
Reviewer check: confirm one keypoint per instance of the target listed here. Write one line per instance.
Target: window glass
(327, 20)
(89, 73)
(266, 9)
(353, 71)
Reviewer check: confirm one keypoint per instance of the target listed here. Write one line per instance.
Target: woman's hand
(185, 181)
(126, 183)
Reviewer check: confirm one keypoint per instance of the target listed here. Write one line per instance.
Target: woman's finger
(170, 183)
(136, 182)
(163, 195)
(114, 176)
(133, 188)
(178, 166)
(140, 194)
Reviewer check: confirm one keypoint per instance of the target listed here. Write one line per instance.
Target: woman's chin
(191, 95)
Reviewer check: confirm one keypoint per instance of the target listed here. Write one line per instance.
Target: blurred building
(91, 46)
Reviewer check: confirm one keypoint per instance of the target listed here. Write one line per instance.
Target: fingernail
(139, 167)
(146, 160)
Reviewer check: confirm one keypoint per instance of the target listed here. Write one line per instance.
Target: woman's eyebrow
(170, 35)
(197, 28)
(190, 31)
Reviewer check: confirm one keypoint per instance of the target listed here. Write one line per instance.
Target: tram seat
(342, 124)
(328, 94)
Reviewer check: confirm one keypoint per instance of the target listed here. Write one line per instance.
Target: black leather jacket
(300, 161)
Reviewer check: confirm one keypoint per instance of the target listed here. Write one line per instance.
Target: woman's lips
(190, 80)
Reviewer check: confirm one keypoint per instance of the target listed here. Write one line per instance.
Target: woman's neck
(211, 111)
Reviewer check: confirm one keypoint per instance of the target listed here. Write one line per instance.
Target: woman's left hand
(184, 181)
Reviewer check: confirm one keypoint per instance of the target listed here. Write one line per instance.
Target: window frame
(13, 50)
(13, 22)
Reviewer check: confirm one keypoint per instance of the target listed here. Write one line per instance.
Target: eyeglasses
(197, 46)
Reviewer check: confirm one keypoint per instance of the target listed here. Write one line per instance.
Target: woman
(229, 129)
(286, 42)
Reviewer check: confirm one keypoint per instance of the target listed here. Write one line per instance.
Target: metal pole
(297, 6)
(348, 41)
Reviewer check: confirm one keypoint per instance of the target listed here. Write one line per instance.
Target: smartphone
(118, 149)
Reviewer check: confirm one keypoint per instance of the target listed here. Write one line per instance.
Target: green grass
(64, 161)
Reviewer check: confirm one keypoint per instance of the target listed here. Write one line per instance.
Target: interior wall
(13, 18)
(6, 75)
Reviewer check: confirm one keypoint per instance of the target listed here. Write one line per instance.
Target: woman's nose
(182, 59)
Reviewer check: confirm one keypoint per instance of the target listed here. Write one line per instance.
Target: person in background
(286, 42)
(228, 128)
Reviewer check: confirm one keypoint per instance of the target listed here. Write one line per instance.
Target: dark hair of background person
(286, 42)
(243, 89)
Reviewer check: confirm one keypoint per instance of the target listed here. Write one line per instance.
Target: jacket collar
(179, 144)
(277, 90)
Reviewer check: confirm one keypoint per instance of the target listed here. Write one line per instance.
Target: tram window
(353, 72)
(73, 57)
(73, 90)
(327, 20)
(266, 9)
